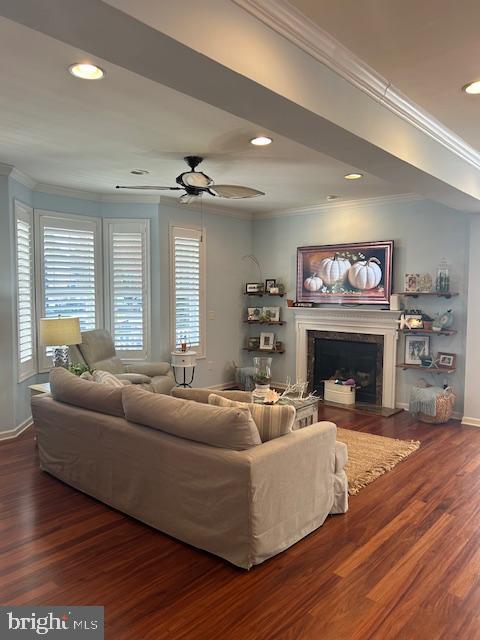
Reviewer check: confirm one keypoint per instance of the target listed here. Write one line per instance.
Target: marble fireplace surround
(347, 320)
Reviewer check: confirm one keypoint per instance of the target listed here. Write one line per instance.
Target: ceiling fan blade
(149, 187)
(233, 191)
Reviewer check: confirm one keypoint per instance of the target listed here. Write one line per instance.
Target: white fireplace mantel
(369, 321)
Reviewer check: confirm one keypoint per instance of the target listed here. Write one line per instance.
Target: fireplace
(333, 354)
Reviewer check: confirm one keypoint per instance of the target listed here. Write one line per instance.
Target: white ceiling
(89, 135)
(429, 50)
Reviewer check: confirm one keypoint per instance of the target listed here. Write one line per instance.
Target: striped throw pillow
(105, 377)
(272, 421)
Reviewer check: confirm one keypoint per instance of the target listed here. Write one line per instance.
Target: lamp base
(60, 357)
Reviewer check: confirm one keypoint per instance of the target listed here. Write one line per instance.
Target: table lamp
(60, 333)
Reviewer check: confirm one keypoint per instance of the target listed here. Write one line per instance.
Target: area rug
(369, 456)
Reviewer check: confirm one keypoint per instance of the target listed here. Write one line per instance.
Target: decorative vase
(262, 374)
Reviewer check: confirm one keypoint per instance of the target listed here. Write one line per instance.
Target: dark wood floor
(404, 562)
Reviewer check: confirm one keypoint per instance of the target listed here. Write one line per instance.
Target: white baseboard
(14, 433)
(470, 422)
(223, 385)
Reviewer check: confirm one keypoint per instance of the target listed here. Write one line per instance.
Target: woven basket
(444, 409)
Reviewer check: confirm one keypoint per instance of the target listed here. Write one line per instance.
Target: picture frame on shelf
(413, 320)
(270, 283)
(253, 287)
(267, 341)
(271, 314)
(253, 342)
(425, 283)
(446, 360)
(416, 348)
(278, 345)
(412, 282)
(254, 313)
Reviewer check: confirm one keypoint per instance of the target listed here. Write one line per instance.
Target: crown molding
(65, 192)
(293, 25)
(326, 207)
(6, 169)
(207, 208)
(129, 198)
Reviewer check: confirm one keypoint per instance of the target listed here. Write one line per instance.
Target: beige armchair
(98, 352)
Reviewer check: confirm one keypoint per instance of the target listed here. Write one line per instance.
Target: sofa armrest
(292, 487)
(150, 369)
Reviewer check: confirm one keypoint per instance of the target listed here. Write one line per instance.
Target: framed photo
(267, 341)
(412, 282)
(359, 273)
(416, 348)
(425, 283)
(270, 283)
(253, 343)
(253, 287)
(447, 360)
(271, 314)
(254, 313)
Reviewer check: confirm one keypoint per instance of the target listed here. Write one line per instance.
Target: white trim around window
(25, 291)
(187, 288)
(68, 270)
(128, 286)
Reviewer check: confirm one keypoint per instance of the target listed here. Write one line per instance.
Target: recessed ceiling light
(261, 141)
(473, 88)
(353, 176)
(332, 197)
(86, 71)
(139, 172)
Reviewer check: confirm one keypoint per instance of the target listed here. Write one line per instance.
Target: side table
(184, 360)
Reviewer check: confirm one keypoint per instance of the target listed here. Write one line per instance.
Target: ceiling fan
(196, 183)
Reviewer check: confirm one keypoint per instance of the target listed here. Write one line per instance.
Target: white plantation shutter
(188, 299)
(24, 274)
(70, 277)
(127, 263)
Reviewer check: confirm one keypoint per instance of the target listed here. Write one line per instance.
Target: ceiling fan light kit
(196, 183)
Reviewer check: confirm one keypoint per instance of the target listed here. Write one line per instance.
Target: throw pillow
(228, 428)
(272, 421)
(105, 377)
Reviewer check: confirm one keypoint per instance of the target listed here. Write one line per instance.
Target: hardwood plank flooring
(403, 563)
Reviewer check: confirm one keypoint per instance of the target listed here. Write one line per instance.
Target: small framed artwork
(425, 283)
(416, 348)
(412, 282)
(271, 314)
(253, 343)
(278, 345)
(254, 313)
(270, 283)
(253, 287)
(267, 341)
(446, 360)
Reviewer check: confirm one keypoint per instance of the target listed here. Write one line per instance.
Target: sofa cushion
(67, 387)
(105, 377)
(201, 395)
(228, 428)
(134, 378)
(272, 421)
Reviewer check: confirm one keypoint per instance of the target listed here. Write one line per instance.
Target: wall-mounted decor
(253, 287)
(267, 341)
(412, 282)
(359, 273)
(446, 360)
(254, 313)
(416, 348)
(271, 314)
(270, 283)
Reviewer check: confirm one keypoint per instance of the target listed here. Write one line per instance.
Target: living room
(232, 214)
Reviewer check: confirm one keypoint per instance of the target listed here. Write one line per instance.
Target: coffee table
(306, 410)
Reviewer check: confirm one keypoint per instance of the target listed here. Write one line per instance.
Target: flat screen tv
(359, 273)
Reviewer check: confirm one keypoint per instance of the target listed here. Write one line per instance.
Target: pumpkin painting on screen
(359, 273)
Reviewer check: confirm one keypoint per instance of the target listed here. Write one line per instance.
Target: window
(24, 279)
(127, 265)
(188, 290)
(70, 280)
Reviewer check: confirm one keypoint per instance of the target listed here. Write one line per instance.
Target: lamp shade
(60, 331)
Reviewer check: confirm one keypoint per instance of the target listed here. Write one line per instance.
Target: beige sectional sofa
(229, 494)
